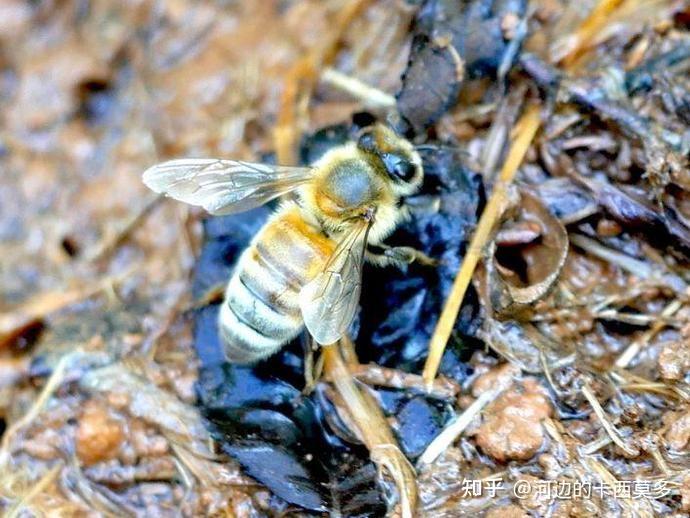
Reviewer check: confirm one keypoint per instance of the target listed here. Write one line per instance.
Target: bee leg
(312, 370)
(409, 255)
(423, 204)
(399, 256)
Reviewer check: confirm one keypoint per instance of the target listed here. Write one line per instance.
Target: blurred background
(92, 93)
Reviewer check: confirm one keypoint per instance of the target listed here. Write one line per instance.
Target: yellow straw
(524, 132)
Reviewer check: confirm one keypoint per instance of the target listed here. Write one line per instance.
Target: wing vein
(224, 186)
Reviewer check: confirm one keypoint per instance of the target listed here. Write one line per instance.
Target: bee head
(394, 155)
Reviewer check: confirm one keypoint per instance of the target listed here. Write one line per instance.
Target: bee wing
(329, 301)
(223, 186)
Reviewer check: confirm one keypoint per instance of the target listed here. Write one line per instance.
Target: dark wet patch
(453, 41)
(419, 422)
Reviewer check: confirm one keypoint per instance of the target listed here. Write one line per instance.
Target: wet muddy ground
(569, 361)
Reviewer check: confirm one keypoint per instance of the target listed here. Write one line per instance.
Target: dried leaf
(516, 279)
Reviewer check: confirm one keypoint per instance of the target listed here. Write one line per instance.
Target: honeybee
(304, 267)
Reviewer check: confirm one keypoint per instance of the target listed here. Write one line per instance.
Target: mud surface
(114, 395)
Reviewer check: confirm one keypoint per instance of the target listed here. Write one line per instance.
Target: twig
(47, 479)
(301, 80)
(659, 460)
(93, 495)
(347, 350)
(45, 304)
(627, 356)
(585, 35)
(373, 429)
(552, 429)
(452, 431)
(371, 97)
(595, 445)
(150, 345)
(109, 245)
(603, 419)
(588, 94)
(638, 507)
(199, 467)
(634, 266)
(373, 374)
(525, 130)
(631, 382)
(53, 383)
(636, 319)
(624, 261)
(499, 132)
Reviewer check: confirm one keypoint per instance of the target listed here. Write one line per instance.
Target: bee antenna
(433, 147)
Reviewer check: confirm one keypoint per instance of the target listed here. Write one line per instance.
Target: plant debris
(545, 350)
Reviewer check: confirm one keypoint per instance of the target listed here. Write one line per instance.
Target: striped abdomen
(260, 312)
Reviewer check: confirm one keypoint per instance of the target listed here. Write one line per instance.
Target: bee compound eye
(405, 170)
(399, 168)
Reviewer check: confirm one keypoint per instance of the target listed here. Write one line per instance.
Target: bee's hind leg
(398, 256)
(312, 369)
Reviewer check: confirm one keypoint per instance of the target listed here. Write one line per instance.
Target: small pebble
(99, 434)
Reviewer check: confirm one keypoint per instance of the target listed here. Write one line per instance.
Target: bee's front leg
(398, 256)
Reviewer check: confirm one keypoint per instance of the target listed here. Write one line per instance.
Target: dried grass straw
(373, 428)
(524, 132)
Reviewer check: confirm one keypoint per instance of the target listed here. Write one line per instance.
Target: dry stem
(301, 81)
(373, 429)
(371, 97)
(524, 133)
(373, 374)
(43, 305)
(626, 357)
(610, 430)
(47, 479)
(53, 383)
(451, 432)
(106, 247)
(586, 32)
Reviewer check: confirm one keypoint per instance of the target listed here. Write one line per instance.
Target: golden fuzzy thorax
(366, 185)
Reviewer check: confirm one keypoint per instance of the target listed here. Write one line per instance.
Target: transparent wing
(223, 186)
(329, 301)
